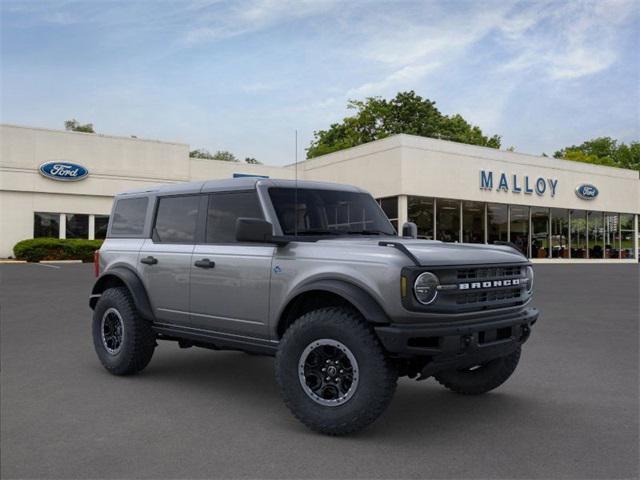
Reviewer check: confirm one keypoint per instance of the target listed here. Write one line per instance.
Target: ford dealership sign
(586, 191)
(63, 171)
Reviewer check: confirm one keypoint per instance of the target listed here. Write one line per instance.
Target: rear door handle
(149, 260)
(205, 263)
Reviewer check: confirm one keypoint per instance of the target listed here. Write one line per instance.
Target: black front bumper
(459, 344)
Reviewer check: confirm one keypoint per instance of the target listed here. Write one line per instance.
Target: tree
(201, 153)
(377, 118)
(75, 126)
(252, 161)
(604, 151)
(222, 155)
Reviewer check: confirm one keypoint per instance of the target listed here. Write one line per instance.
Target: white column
(635, 236)
(92, 227)
(403, 213)
(569, 233)
(486, 223)
(460, 232)
(435, 220)
(63, 225)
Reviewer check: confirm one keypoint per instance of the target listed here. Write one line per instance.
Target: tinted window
(448, 220)
(176, 219)
(390, 207)
(225, 209)
(46, 225)
(420, 212)
(497, 220)
(128, 217)
(77, 226)
(328, 212)
(100, 226)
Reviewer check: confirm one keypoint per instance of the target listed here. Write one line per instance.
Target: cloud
(565, 41)
(238, 18)
(400, 79)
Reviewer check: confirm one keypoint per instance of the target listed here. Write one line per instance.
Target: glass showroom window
(100, 226)
(578, 234)
(596, 234)
(390, 208)
(497, 222)
(473, 222)
(539, 232)
(520, 228)
(559, 233)
(626, 235)
(611, 235)
(448, 220)
(46, 225)
(77, 226)
(420, 212)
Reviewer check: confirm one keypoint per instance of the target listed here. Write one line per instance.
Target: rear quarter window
(176, 219)
(128, 217)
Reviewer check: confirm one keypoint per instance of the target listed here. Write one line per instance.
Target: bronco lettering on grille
(489, 284)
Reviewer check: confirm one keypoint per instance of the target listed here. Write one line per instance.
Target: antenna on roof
(295, 190)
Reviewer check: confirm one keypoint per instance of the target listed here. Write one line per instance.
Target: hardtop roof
(230, 184)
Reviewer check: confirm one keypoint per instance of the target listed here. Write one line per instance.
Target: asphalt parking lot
(570, 411)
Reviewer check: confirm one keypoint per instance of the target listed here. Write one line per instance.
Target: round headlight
(529, 279)
(425, 288)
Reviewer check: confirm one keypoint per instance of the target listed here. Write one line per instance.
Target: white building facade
(61, 184)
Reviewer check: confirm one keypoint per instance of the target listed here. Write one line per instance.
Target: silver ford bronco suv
(315, 275)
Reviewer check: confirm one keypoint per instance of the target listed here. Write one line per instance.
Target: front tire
(332, 372)
(480, 379)
(123, 340)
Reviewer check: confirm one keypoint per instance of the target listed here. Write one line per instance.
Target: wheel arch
(325, 293)
(123, 277)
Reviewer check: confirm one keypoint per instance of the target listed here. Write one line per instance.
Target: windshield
(328, 212)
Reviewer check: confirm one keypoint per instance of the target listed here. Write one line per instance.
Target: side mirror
(256, 230)
(409, 230)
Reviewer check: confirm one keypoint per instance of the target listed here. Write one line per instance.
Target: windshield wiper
(367, 232)
(319, 232)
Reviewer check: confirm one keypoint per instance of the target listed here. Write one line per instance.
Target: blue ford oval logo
(63, 171)
(586, 191)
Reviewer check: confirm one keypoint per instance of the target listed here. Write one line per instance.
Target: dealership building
(61, 184)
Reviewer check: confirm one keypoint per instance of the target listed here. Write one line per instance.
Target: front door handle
(149, 260)
(205, 263)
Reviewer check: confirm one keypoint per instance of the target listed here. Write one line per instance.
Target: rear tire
(361, 379)
(482, 379)
(123, 340)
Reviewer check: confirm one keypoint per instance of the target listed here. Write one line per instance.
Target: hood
(431, 252)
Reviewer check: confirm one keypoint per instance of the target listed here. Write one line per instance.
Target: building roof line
(472, 151)
(118, 137)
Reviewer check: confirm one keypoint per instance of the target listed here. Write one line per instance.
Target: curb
(60, 261)
(9, 261)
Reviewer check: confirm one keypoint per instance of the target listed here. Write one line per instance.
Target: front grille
(490, 273)
(488, 297)
(477, 288)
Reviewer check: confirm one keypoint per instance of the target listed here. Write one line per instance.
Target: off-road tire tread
(501, 369)
(341, 318)
(143, 339)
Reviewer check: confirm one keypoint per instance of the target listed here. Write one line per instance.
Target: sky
(243, 76)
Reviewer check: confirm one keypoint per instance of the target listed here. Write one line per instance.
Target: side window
(176, 219)
(224, 209)
(128, 217)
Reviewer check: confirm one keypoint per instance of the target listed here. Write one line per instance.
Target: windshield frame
(382, 227)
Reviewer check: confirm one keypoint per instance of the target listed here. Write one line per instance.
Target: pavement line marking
(46, 265)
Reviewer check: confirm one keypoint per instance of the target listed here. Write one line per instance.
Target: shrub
(36, 249)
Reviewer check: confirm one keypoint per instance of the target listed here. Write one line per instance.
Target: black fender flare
(357, 296)
(133, 283)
